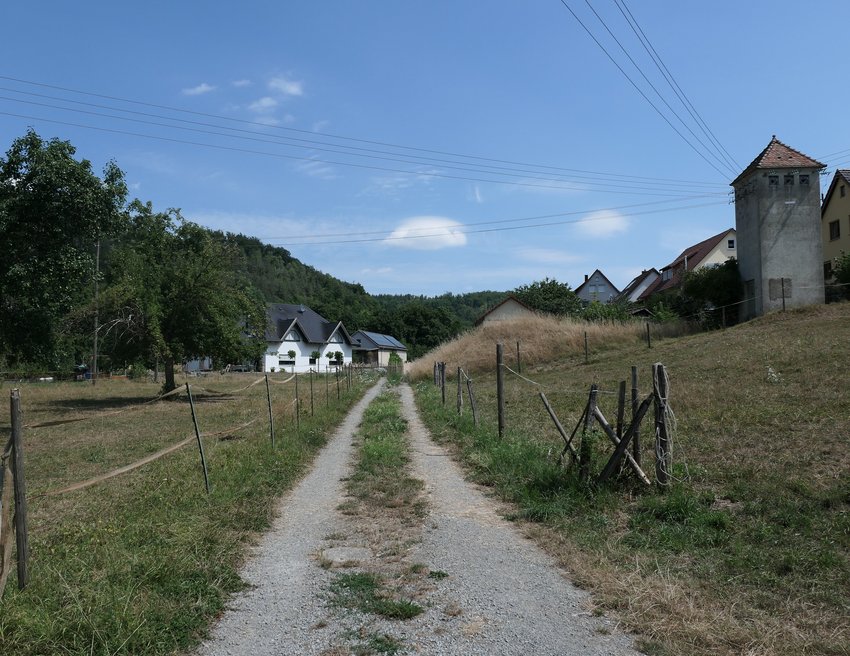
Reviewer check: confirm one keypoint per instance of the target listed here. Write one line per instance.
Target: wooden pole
(198, 437)
(337, 383)
(271, 415)
(500, 390)
(585, 347)
(782, 281)
(96, 314)
(518, 361)
(723, 313)
(636, 438)
(327, 388)
(20, 486)
(459, 392)
(311, 392)
(621, 408)
(472, 403)
(6, 521)
(663, 456)
(585, 450)
(443, 381)
(436, 374)
(567, 439)
(297, 406)
(648, 337)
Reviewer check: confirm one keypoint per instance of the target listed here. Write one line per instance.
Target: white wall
(278, 351)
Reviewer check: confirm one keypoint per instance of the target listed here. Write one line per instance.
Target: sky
(440, 146)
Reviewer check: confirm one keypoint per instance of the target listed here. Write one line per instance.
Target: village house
(300, 339)
(777, 212)
(510, 308)
(639, 284)
(835, 222)
(709, 252)
(376, 349)
(596, 287)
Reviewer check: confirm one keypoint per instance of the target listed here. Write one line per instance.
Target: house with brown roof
(835, 222)
(709, 252)
(596, 287)
(509, 308)
(777, 215)
(638, 285)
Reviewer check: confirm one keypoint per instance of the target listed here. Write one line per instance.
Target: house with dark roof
(709, 252)
(777, 215)
(375, 349)
(295, 334)
(596, 287)
(508, 308)
(638, 285)
(834, 222)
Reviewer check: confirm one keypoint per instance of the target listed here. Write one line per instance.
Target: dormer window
(292, 336)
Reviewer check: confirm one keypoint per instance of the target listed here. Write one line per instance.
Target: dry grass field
(749, 553)
(142, 562)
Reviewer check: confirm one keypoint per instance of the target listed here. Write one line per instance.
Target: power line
(671, 80)
(720, 160)
(420, 173)
(323, 134)
(640, 91)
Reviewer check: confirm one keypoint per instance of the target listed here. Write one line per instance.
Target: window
(773, 180)
(312, 360)
(789, 179)
(827, 270)
(834, 230)
(285, 363)
(666, 274)
(292, 336)
(842, 190)
(730, 244)
(804, 178)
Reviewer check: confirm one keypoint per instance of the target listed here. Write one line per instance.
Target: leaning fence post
(585, 451)
(198, 437)
(472, 403)
(500, 389)
(663, 455)
(21, 534)
(636, 438)
(271, 416)
(459, 392)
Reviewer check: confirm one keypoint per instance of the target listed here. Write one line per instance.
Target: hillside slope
(750, 551)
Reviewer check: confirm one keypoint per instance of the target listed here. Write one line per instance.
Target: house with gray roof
(596, 287)
(296, 329)
(375, 348)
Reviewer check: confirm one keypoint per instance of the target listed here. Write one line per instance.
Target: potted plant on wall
(314, 358)
(330, 356)
(291, 355)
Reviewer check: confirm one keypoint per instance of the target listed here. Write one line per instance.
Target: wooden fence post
(585, 347)
(311, 392)
(472, 403)
(443, 381)
(20, 486)
(648, 337)
(585, 451)
(663, 455)
(436, 374)
(6, 521)
(198, 437)
(518, 361)
(621, 408)
(500, 389)
(271, 415)
(459, 392)
(636, 438)
(337, 383)
(297, 406)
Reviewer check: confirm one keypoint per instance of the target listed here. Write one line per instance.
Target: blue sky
(449, 145)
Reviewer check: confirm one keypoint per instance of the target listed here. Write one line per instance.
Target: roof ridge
(759, 162)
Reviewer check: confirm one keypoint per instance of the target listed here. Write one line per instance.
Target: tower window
(773, 180)
(789, 179)
(834, 230)
(804, 178)
(730, 244)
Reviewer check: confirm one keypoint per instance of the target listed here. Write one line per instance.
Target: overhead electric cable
(434, 174)
(708, 149)
(671, 80)
(640, 91)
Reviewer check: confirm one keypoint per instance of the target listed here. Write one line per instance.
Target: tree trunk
(169, 375)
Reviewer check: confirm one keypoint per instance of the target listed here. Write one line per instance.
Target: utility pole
(96, 313)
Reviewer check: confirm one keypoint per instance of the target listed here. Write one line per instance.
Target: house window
(827, 270)
(285, 363)
(841, 189)
(773, 180)
(292, 336)
(730, 244)
(804, 178)
(834, 230)
(312, 360)
(667, 274)
(789, 179)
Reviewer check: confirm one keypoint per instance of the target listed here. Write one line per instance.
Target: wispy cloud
(317, 169)
(263, 105)
(476, 194)
(286, 86)
(201, 89)
(427, 233)
(241, 83)
(602, 224)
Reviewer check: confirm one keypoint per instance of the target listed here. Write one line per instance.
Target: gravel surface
(501, 595)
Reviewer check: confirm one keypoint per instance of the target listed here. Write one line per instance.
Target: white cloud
(241, 83)
(548, 256)
(198, 90)
(476, 194)
(286, 87)
(427, 233)
(602, 224)
(263, 105)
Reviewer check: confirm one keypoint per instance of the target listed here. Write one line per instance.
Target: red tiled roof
(840, 174)
(779, 156)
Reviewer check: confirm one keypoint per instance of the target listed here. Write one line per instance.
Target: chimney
(585, 277)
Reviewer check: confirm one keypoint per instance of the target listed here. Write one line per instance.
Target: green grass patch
(365, 591)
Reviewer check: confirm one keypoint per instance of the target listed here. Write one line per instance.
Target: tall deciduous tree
(549, 295)
(175, 293)
(53, 209)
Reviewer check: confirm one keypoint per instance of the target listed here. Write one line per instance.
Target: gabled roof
(779, 156)
(283, 317)
(508, 298)
(842, 175)
(581, 286)
(636, 282)
(691, 256)
(370, 341)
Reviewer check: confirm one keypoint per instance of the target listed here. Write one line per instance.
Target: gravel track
(502, 595)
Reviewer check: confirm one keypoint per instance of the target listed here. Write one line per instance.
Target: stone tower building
(777, 217)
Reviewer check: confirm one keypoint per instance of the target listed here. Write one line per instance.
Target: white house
(507, 309)
(376, 349)
(298, 330)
